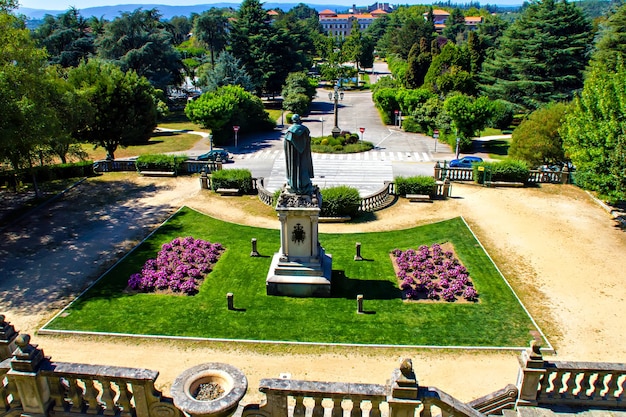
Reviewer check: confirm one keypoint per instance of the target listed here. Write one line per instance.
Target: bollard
(254, 252)
(230, 300)
(359, 304)
(204, 180)
(358, 257)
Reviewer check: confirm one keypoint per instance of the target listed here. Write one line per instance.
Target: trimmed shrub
(232, 178)
(160, 162)
(421, 184)
(509, 170)
(340, 201)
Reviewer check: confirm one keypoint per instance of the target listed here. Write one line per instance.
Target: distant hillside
(110, 12)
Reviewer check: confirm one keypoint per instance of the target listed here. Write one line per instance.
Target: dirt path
(562, 253)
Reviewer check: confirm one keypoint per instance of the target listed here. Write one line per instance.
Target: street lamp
(236, 129)
(336, 95)
(322, 120)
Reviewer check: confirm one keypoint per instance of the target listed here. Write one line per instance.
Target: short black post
(359, 304)
(230, 300)
(254, 252)
(358, 257)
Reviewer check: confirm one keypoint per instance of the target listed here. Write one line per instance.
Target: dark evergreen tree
(211, 29)
(180, 27)
(541, 56)
(611, 40)
(138, 41)
(451, 71)
(455, 25)
(413, 29)
(227, 70)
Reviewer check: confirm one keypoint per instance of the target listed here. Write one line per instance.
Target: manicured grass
(497, 320)
(161, 142)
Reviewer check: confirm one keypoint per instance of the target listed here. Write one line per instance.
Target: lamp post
(322, 120)
(236, 129)
(336, 95)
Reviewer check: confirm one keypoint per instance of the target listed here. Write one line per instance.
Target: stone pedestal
(301, 268)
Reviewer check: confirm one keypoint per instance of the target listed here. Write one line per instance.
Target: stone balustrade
(380, 199)
(31, 384)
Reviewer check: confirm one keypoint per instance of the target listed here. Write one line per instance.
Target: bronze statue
(298, 157)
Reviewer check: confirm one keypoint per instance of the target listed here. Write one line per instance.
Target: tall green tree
(594, 132)
(410, 33)
(121, 106)
(68, 39)
(139, 41)
(455, 25)
(450, 71)
(298, 92)
(612, 40)
(537, 140)
(179, 27)
(468, 116)
(541, 56)
(228, 70)
(211, 29)
(353, 44)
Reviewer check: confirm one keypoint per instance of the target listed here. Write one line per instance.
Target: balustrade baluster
(318, 409)
(375, 412)
(108, 397)
(426, 411)
(545, 385)
(125, 397)
(571, 386)
(622, 394)
(356, 410)
(557, 382)
(76, 395)
(585, 384)
(91, 397)
(337, 411)
(612, 386)
(58, 389)
(599, 387)
(4, 395)
(299, 409)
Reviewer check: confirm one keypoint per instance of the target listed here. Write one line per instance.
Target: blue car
(465, 162)
(216, 155)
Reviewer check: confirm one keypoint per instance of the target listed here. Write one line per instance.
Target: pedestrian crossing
(365, 156)
(330, 172)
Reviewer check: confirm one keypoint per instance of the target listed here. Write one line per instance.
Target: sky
(81, 4)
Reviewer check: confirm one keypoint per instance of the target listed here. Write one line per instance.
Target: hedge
(340, 201)
(509, 170)
(49, 173)
(160, 162)
(421, 184)
(232, 178)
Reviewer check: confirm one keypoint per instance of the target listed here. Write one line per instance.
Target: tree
(298, 92)
(418, 63)
(228, 70)
(226, 107)
(414, 29)
(455, 25)
(179, 27)
(211, 29)
(121, 106)
(612, 40)
(138, 41)
(24, 112)
(67, 38)
(468, 116)
(537, 140)
(594, 132)
(541, 56)
(353, 45)
(450, 71)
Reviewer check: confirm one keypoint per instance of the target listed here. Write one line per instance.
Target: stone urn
(210, 389)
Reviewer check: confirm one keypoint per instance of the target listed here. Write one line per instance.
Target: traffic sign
(435, 133)
(362, 129)
(236, 128)
(396, 111)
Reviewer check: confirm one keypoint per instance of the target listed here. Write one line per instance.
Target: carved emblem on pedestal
(298, 235)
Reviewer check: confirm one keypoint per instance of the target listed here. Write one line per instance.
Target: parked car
(465, 162)
(215, 155)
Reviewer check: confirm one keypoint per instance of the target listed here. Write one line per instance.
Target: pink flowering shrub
(434, 273)
(179, 266)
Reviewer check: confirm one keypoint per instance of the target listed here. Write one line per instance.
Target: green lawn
(497, 320)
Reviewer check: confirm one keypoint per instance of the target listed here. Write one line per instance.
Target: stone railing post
(33, 388)
(437, 171)
(204, 180)
(446, 187)
(403, 392)
(7, 339)
(565, 175)
(530, 373)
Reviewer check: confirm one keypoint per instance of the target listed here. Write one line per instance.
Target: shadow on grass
(349, 288)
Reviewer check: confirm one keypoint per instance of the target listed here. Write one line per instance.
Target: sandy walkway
(562, 253)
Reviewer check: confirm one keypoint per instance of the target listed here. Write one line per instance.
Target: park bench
(158, 173)
(424, 198)
(228, 191)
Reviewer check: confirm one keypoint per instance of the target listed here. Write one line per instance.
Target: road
(396, 153)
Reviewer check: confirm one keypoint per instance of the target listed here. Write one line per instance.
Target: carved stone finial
(404, 382)
(2, 317)
(22, 341)
(26, 357)
(406, 367)
(535, 349)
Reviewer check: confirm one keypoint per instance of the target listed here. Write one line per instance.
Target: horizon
(64, 5)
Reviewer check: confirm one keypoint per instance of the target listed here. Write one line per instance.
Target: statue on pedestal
(298, 158)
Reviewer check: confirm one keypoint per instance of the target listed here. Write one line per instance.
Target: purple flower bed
(179, 266)
(433, 273)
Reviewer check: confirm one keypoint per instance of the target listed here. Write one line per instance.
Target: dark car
(465, 162)
(216, 155)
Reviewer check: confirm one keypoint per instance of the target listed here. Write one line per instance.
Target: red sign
(436, 132)
(362, 129)
(235, 128)
(396, 111)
